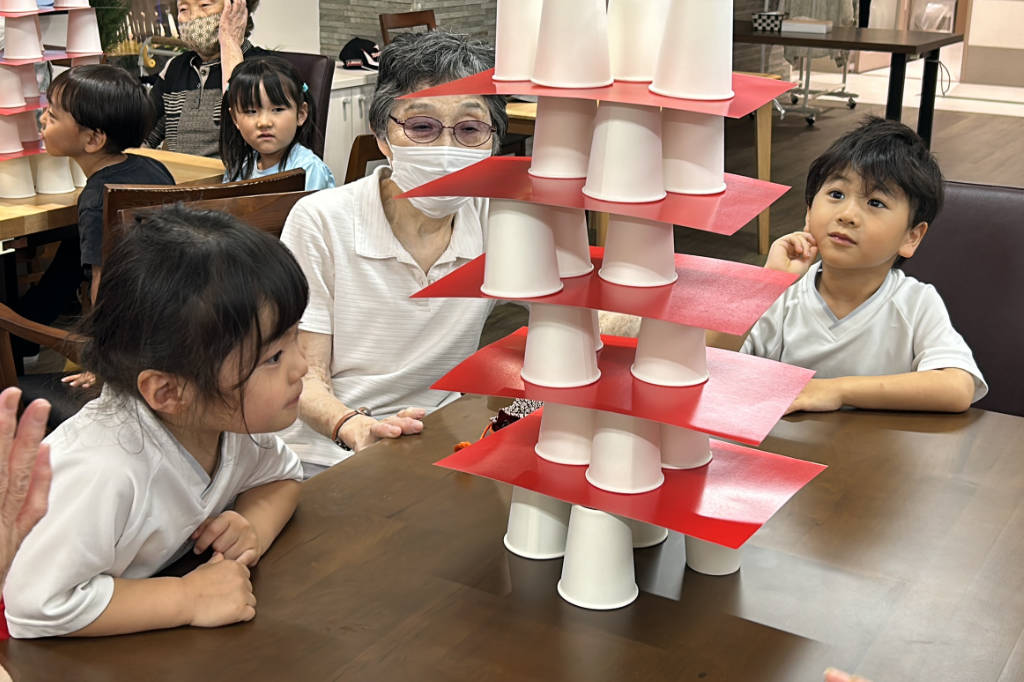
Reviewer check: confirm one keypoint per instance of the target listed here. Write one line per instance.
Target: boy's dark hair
(108, 99)
(184, 288)
(284, 87)
(886, 155)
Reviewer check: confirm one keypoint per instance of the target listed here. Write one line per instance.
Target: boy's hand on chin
(229, 534)
(819, 395)
(794, 252)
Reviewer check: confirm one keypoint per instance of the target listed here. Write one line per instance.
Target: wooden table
(43, 212)
(900, 44)
(902, 561)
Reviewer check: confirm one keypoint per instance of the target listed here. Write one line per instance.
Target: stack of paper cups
(626, 455)
(537, 525)
(22, 38)
(711, 559)
(83, 32)
(10, 88)
(515, 39)
(566, 433)
(562, 137)
(694, 152)
(77, 174)
(645, 534)
(560, 347)
(18, 5)
(669, 354)
(52, 174)
(695, 60)
(598, 569)
(10, 141)
(683, 448)
(625, 156)
(572, 45)
(28, 127)
(635, 28)
(638, 253)
(521, 258)
(29, 82)
(15, 177)
(572, 246)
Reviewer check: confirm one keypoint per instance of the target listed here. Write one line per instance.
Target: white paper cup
(683, 448)
(521, 259)
(10, 88)
(515, 39)
(566, 434)
(560, 347)
(695, 59)
(669, 354)
(711, 559)
(22, 38)
(29, 82)
(77, 174)
(625, 156)
(694, 152)
(595, 322)
(537, 525)
(52, 174)
(10, 141)
(562, 136)
(572, 45)
(572, 244)
(28, 126)
(88, 59)
(18, 6)
(16, 178)
(626, 455)
(645, 534)
(598, 572)
(70, 4)
(83, 32)
(635, 29)
(638, 253)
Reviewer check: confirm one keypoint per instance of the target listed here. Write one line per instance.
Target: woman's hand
(233, 20)
(362, 431)
(80, 380)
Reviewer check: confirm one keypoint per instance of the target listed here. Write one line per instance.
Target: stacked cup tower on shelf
(633, 156)
(25, 170)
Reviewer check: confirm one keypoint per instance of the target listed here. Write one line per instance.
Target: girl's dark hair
(183, 289)
(284, 87)
(105, 98)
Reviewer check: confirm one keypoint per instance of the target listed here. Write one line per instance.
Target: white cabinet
(347, 118)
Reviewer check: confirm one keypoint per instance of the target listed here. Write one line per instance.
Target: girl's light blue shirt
(318, 175)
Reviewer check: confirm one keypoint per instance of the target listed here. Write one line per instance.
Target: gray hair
(414, 61)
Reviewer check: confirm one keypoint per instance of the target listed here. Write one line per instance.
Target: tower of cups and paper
(629, 122)
(25, 168)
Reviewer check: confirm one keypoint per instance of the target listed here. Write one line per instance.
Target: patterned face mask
(201, 34)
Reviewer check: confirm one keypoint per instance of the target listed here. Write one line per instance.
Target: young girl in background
(273, 115)
(194, 336)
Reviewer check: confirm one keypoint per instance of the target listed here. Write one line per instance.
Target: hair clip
(305, 88)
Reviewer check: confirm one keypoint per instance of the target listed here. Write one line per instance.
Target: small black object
(359, 54)
(519, 408)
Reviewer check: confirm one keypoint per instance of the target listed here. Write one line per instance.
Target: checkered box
(768, 21)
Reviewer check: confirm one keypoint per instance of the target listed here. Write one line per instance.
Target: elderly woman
(188, 93)
(365, 250)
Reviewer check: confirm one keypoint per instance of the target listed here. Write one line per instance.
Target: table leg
(897, 74)
(763, 135)
(926, 114)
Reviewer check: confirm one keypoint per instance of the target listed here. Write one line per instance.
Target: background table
(900, 44)
(902, 561)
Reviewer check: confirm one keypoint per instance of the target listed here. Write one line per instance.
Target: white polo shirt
(902, 327)
(387, 348)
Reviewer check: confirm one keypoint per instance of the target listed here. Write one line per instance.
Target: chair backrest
(317, 71)
(119, 197)
(364, 150)
(973, 254)
(265, 212)
(405, 20)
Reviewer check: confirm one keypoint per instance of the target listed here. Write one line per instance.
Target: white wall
(288, 25)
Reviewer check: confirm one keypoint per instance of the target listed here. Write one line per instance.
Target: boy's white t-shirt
(902, 327)
(125, 499)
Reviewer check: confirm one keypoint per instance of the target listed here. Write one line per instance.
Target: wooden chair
(317, 71)
(364, 150)
(388, 22)
(973, 254)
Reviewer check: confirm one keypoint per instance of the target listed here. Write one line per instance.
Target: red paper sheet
(48, 56)
(725, 501)
(30, 149)
(506, 177)
(742, 400)
(31, 104)
(751, 92)
(714, 294)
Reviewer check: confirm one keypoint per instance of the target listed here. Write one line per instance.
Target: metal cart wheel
(851, 103)
(810, 120)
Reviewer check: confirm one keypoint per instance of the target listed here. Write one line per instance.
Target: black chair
(317, 71)
(974, 255)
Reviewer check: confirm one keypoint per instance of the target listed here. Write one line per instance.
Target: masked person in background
(187, 94)
(365, 251)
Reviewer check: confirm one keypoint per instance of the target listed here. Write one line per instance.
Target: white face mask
(417, 165)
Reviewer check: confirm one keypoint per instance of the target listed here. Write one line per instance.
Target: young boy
(95, 112)
(876, 338)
